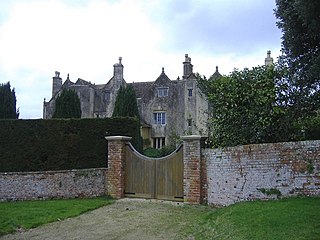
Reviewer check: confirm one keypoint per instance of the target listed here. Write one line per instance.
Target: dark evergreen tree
(126, 103)
(126, 106)
(299, 21)
(8, 102)
(67, 105)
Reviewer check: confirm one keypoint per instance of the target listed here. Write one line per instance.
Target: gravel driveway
(125, 219)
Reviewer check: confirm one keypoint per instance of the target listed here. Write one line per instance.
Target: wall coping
(53, 171)
(264, 145)
(191, 137)
(118, 138)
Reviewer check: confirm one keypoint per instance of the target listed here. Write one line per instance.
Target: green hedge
(56, 144)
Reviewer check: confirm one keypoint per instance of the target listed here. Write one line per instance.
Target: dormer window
(162, 91)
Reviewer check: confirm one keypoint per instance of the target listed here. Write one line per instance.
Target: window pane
(159, 118)
(162, 92)
(155, 118)
(163, 118)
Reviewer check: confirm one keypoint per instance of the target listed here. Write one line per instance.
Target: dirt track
(125, 219)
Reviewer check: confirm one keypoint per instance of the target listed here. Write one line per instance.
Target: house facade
(168, 108)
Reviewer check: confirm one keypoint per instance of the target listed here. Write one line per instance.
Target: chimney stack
(268, 61)
(187, 67)
(118, 70)
(56, 83)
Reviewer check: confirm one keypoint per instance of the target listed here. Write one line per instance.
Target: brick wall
(192, 169)
(218, 176)
(116, 165)
(255, 171)
(53, 184)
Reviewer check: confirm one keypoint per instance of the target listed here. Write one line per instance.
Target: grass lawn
(30, 214)
(292, 218)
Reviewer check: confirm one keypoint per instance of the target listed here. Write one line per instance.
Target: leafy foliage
(243, 107)
(270, 191)
(157, 153)
(278, 103)
(67, 105)
(152, 152)
(299, 21)
(8, 102)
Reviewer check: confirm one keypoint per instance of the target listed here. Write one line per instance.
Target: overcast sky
(86, 37)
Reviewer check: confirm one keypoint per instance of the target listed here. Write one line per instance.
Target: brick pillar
(192, 169)
(116, 165)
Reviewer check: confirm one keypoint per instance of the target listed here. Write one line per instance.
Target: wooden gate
(159, 178)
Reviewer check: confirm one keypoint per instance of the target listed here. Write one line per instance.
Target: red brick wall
(248, 172)
(192, 169)
(116, 161)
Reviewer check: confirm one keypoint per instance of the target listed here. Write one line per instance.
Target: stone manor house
(168, 108)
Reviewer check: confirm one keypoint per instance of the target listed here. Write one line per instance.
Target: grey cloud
(240, 26)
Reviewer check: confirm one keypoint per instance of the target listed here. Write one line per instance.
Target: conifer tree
(67, 105)
(126, 103)
(299, 22)
(8, 102)
(126, 106)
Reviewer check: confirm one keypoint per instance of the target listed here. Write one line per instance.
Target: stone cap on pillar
(118, 138)
(191, 137)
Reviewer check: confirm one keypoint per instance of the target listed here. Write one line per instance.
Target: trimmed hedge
(60, 144)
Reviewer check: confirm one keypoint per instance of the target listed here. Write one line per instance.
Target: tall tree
(126, 103)
(67, 105)
(8, 102)
(299, 21)
(126, 106)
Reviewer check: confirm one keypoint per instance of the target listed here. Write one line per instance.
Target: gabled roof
(82, 82)
(109, 83)
(192, 76)
(216, 74)
(162, 79)
(67, 83)
(143, 89)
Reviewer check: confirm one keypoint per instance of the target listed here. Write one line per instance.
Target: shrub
(41, 145)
